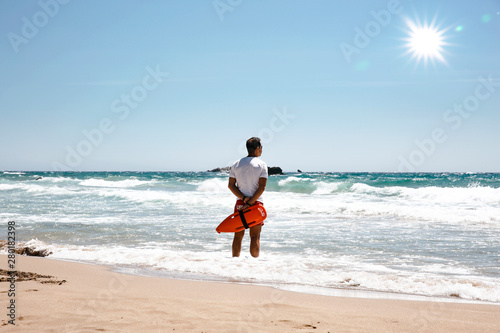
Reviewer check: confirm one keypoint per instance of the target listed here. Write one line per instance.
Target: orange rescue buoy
(244, 219)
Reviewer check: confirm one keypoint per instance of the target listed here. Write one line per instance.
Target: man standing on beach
(247, 181)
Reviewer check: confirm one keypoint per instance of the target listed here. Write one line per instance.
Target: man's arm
(236, 191)
(232, 186)
(258, 193)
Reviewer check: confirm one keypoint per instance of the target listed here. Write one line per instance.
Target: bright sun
(425, 42)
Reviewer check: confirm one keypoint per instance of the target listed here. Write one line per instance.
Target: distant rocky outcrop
(275, 171)
(225, 169)
(270, 170)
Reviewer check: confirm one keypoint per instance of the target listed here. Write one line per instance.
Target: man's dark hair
(252, 144)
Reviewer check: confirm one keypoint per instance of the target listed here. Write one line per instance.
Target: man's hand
(245, 206)
(246, 201)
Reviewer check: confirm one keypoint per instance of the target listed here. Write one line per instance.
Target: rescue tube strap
(243, 220)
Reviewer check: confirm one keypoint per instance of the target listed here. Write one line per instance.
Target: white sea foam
(278, 269)
(214, 185)
(8, 187)
(181, 199)
(440, 195)
(407, 204)
(35, 189)
(117, 183)
(327, 188)
(47, 190)
(291, 179)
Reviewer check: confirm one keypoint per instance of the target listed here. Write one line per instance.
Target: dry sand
(91, 298)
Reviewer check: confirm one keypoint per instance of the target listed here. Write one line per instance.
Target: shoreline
(95, 297)
(303, 289)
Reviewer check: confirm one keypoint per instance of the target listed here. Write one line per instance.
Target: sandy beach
(76, 297)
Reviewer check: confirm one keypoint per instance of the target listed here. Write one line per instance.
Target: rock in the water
(27, 250)
(225, 169)
(274, 171)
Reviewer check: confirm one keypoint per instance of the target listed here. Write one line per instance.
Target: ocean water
(434, 235)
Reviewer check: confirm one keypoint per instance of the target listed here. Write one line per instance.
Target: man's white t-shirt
(247, 172)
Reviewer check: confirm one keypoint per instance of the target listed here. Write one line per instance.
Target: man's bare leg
(238, 237)
(255, 240)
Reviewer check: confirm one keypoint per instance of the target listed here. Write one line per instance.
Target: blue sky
(179, 86)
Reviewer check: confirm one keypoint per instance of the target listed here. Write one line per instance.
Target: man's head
(254, 147)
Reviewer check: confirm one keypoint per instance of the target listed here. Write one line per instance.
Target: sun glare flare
(425, 42)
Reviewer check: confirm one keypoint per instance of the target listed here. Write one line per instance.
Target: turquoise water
(417, 234)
